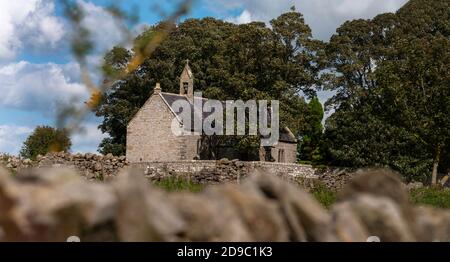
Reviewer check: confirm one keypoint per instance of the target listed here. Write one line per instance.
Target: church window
(281, 156)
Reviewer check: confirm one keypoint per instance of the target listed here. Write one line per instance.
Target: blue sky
(38, 73)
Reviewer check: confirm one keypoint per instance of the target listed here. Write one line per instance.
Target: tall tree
(423, 63)
(353, 54)
(392, 101)
(310, 145)
(415, 81)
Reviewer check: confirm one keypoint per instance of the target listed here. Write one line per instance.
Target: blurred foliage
(71, 116)
(45, 139)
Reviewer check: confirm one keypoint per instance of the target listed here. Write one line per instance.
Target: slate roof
(285, 134)
(171, 98)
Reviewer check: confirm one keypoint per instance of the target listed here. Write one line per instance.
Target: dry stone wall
(96, 167)
(100, 167)
(224, 170)
(91, 166)
(51, 205)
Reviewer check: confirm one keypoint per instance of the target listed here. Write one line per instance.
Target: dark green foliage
(311, 141)
(45, 139)
(175, 184)
(392, 97)
(445, 165)
(81, 44)
(360, 139)
(305, 162)
(109, 146)
(115, 61)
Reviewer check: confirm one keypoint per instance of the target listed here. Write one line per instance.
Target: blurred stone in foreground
(52, 205)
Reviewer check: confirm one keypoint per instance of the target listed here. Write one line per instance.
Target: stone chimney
(157, 88)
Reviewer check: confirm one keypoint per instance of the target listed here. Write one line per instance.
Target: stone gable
(150, 136)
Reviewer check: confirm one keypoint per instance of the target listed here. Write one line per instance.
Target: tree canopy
(392, 90)
(311, 141)
(45, 139)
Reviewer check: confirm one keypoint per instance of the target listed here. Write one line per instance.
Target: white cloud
(104, 32)
(244, 18)
(12, 137)
(44, 87)
(40, 87)
(103, 26)
(324, 16)
(28, 23)
(34, 24)
(88, 139)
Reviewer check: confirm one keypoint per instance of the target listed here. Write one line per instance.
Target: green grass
(174, 184)
(322, 194)
(435, 197)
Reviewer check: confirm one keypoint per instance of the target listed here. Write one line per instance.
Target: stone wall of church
(289, 152)
(190, 145)
(149, 134)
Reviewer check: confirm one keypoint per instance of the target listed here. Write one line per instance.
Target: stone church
(150, 137)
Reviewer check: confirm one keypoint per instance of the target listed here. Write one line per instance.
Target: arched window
(281, 156)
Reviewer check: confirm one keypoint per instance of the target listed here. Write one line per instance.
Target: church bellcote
(157, 89)
(187, 81)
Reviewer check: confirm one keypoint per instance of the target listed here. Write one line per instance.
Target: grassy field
(325, 196)
(174, 184)
(435, 197)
